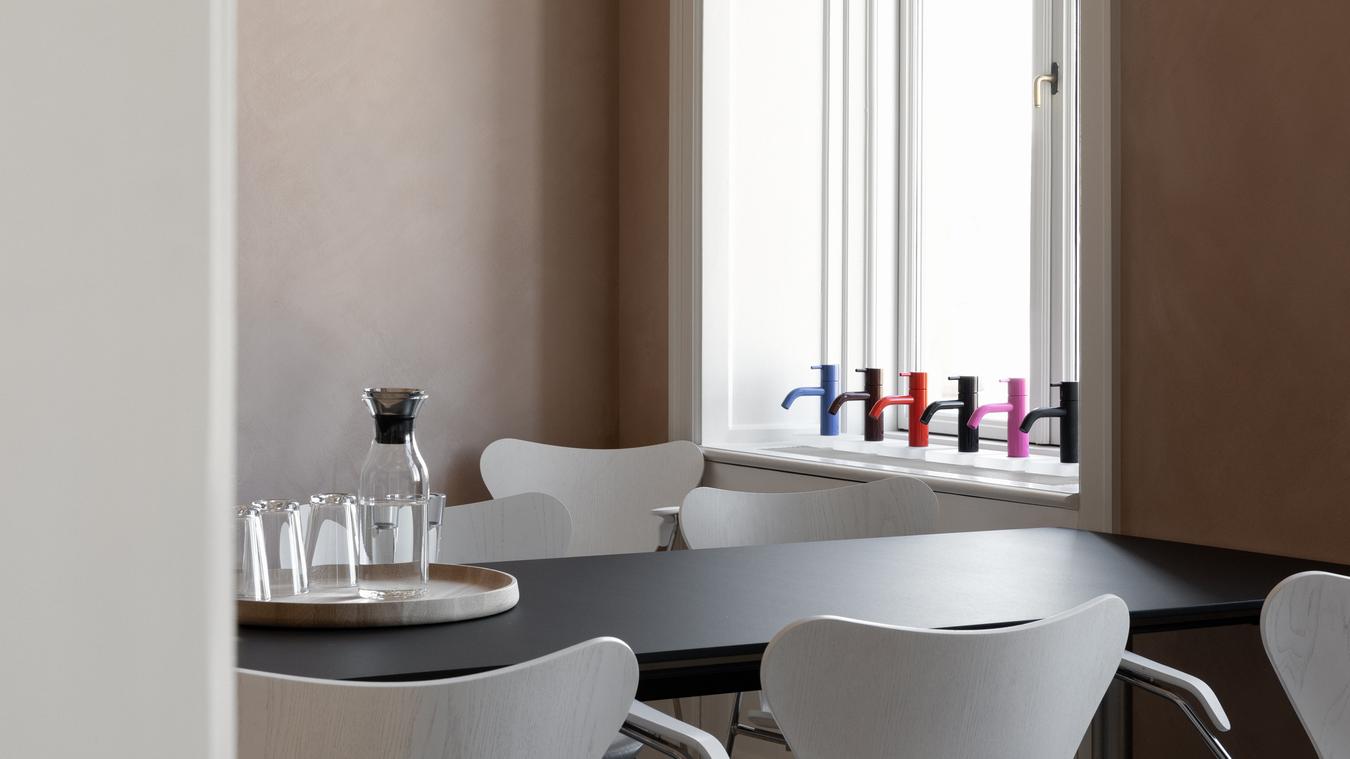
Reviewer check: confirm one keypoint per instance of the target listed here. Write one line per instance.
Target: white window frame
(1091, 225)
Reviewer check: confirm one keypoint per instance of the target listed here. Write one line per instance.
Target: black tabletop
(698, 620)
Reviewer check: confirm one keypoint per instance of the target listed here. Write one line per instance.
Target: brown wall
(1235, 281)
(427, 196)
(644, 91)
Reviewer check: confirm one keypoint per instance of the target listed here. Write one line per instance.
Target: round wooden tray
(455, 592)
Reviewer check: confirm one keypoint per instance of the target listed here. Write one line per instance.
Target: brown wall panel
(644, 92)
(1235, 284)
(1235, 266)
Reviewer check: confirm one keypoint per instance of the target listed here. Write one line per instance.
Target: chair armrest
(1163, 675)
(670, 524)
(648, 722)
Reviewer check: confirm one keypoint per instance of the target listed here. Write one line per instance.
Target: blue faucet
(829, 388)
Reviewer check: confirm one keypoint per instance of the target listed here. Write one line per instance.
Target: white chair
(610, 494)
(713, 518)
(841, 687)
(525, 526)
(567, 704)
(1305, 626)
(537, 526)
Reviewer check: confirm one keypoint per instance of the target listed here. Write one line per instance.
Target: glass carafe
(392, 500)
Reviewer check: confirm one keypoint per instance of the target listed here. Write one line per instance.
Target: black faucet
(873, 429)
(1067, 411)
(967, 399)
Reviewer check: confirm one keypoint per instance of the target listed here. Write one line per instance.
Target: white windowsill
(1039, 479)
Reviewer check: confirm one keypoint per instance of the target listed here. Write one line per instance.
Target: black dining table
(699, 621)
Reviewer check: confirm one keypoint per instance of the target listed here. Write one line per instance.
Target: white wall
(116, 331)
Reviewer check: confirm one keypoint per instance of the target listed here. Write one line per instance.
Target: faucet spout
(937, 406)
(1042, 413)
(802, 392)
(887, 401)
(988, 408)
(842, 398)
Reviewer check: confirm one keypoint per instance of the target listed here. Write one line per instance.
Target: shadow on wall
(427, 197)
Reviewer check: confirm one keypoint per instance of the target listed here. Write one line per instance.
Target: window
(878, 190)
(989, 203)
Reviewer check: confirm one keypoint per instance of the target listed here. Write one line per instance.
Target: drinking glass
(250, 562)
(435, 505)
(330, 541)
(284, 539)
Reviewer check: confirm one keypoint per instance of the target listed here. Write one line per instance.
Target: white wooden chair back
(712, 518)
(841, 687)
(1305, 626)
(609, 493)
(525, 526)
(568, 704)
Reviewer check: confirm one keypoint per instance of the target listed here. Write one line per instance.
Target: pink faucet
(1016, 409)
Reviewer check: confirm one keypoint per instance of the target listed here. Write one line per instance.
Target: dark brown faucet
(872, 428)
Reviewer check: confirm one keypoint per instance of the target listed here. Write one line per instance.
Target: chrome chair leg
(735, 719)
(753, 731)
(669, 544)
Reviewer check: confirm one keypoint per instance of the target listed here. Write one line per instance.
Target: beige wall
(429, 195)
(1235, 219)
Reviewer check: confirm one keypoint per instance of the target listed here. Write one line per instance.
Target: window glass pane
(975, 233)
(774, 192)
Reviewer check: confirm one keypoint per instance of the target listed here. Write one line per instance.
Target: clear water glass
(435, 505)
(250, 556)
(283, 537)
(331, 542)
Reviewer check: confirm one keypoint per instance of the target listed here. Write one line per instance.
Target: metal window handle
(1052, 79)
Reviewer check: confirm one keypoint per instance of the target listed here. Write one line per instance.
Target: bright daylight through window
(880, 189)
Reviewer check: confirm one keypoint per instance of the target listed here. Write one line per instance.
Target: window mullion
(908, 197)
(1045, 303)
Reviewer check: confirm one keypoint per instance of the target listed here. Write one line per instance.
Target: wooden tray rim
(331, 610)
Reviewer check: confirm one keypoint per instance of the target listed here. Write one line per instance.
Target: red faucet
(917, 400)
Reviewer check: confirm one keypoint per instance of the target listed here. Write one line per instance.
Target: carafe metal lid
(394, 401)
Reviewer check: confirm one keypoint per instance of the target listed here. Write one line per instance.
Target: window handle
(1052, 79)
